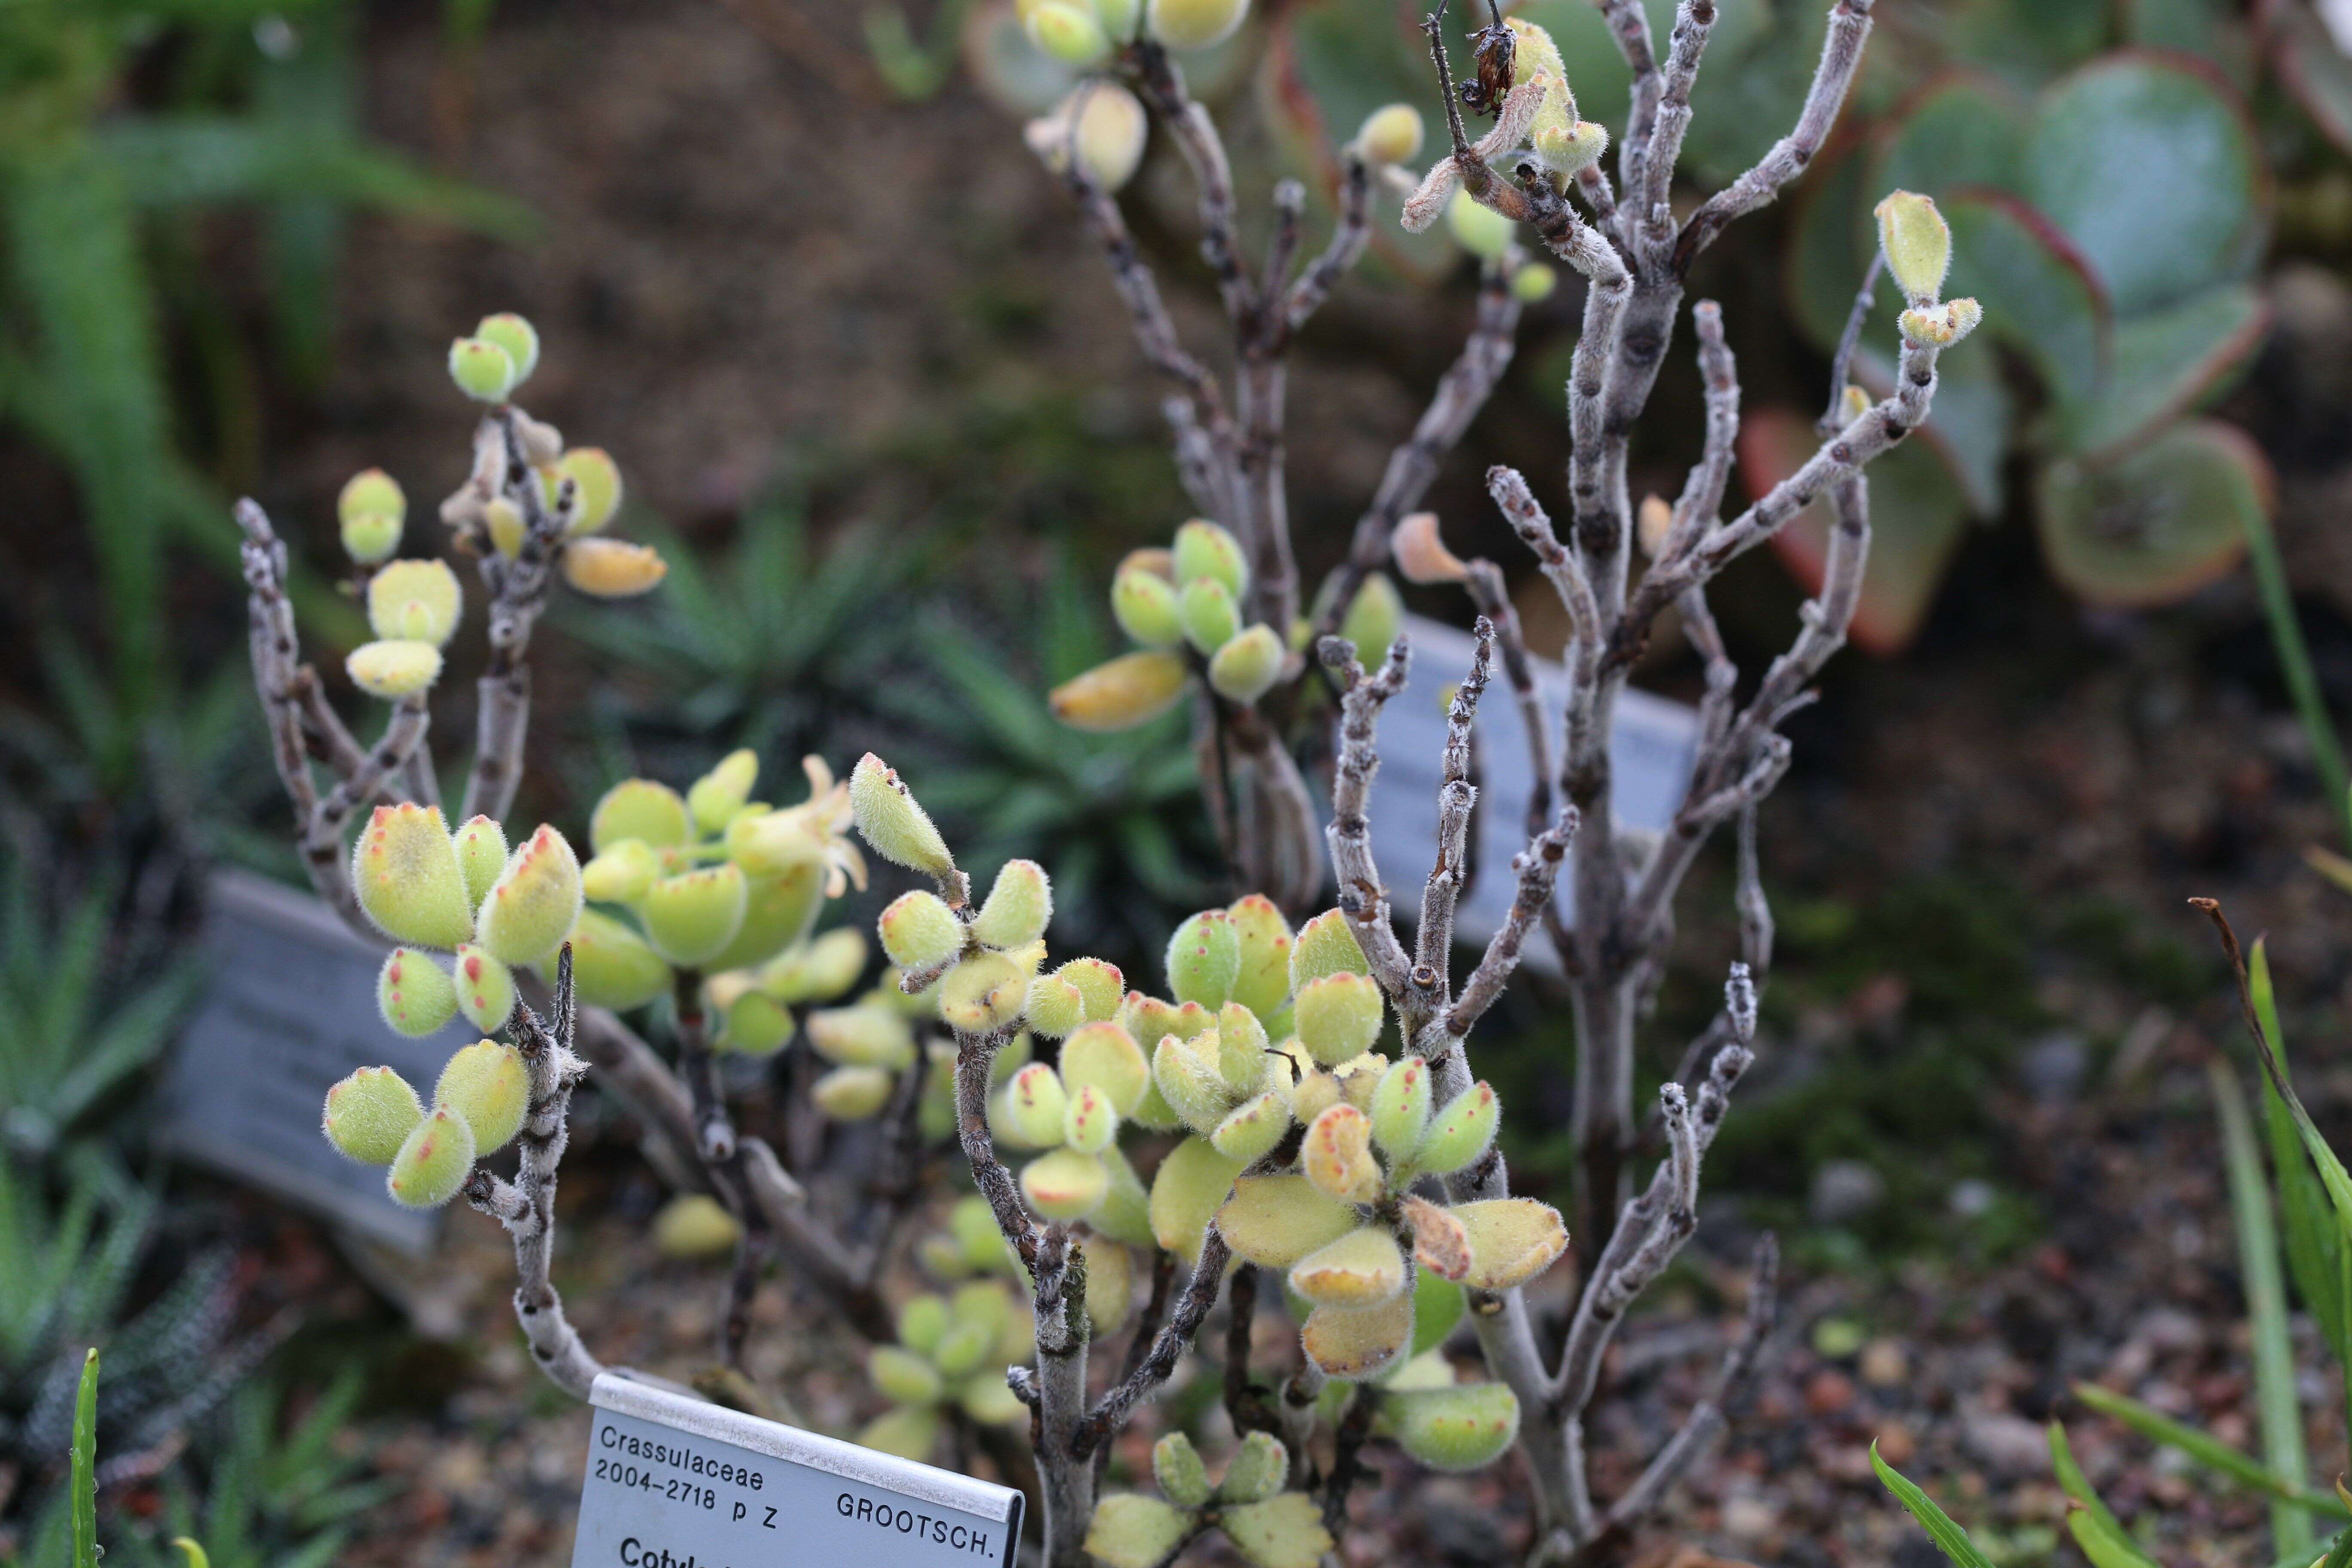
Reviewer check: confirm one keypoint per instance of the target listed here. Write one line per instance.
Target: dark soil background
(1980, 1123)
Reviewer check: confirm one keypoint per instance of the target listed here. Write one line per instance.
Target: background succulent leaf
(2149, 166)
(2158, 522)
(2165, 363)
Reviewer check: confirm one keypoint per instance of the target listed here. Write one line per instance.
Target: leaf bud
(1569, 149)
(1064, 1185)
(608, 568)
(1400, 1107)
(1256, 1471)
(1512, 1240)
(1245, 668)
(715, 797)
(371, 1114)
(696, 1225)
(819, 969)
(1337, 1156)
(1853, 404)
(1250, 1132)
(1241, 1048)
(1390, 134)
(1104, 1056)
(516, 336)
(1144, 603)
(1533, 283)
(1176, 1465)
(371, 537)
(535, 903)
(487, 1084)
(890, 820)
(1195, 23)
(370, 493)
(1373, 620)
(1201, 548)
(1019, 907)
(1917, 243)
(691, 917)
(1129, 1529)
(1460, 1132)
(1362, 1269)
(1324, 945)
(902, 1376)
(1052, 1007)
(1120, 693)
(1440, 1243)
(1068, 30)
(621, 874)
(416, 601)
(1466, 1427)
(1480, 230)
(1030, 1109)
(983, 991)
(414, 994)
(1359, 1342)
(613, 966)
(406, 874)
(851, 1093)
(595, 487)
(394, 668)
(482, 370)
(1147, 1018)
(1275, 1221)
(1420, 554)
(1943, 325)
(434, 1160)
(1211, 617)
(486, 988)
(1204, 958)
(1090, 1123)
(642, 809)
(1111, 129)
(481, 855)
(1191, 1185)
(504, 523)
(1339, 1016)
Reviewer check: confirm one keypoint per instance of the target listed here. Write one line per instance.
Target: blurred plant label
(291, 1010)
(1655, 746)
(674, 1482)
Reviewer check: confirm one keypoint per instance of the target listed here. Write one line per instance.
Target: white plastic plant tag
(1650, 757)
(674, 1482)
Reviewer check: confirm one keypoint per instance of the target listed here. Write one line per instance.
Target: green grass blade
(2203, 1447)
(2258, 1262)
(2104, 1548)
(85, 1465)
(1950, 1538)
(2074, 1483)
(2308, 1227)
(2295, 664)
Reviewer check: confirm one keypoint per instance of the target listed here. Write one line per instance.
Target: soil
(749, 250)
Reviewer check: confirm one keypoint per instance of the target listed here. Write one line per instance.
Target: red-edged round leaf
(2157, 523)
(2165, 363)
(2149, 163)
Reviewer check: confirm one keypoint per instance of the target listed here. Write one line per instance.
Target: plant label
(291, 1011)
(1655, 746)
(674, 1482)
